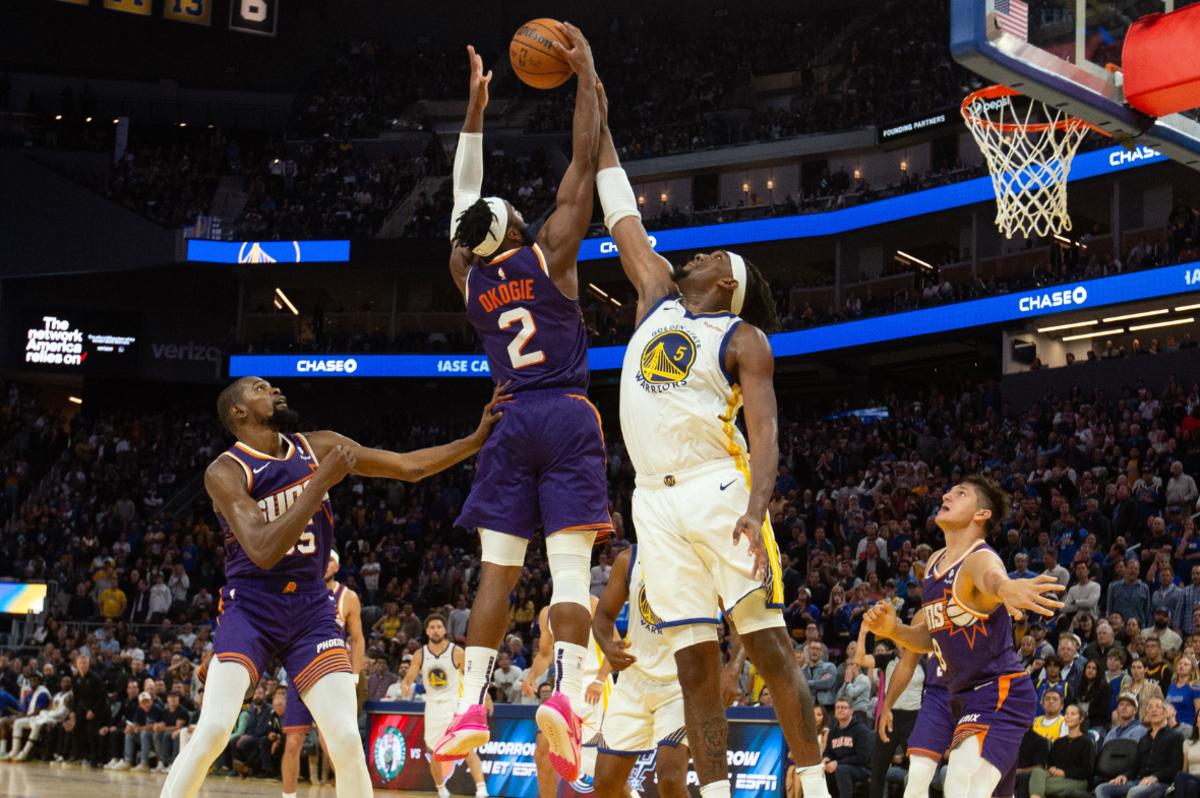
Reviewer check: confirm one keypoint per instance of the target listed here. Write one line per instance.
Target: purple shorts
(296, 717)
(255, 626)
(544, 464)
(998, 713)
(934, 728)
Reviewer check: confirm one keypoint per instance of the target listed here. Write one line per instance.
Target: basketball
(533, 56)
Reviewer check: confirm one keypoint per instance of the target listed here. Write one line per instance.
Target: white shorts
(685, 526)
(642, 715)
(438, 715)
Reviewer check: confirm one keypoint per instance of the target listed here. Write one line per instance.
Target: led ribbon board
(1162, 282)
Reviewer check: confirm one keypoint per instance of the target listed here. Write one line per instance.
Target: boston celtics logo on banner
(390, 753)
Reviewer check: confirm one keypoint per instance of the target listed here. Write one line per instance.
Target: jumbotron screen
(77, 341)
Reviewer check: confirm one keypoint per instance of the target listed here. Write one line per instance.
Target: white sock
(812, 779)
(477, 674)
(921, 770)
(480, 788)
(568, 669)
(718, 789)
(289, 795)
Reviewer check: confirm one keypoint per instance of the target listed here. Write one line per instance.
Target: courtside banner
(757, 755)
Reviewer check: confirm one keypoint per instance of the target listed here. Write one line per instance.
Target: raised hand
(880, 619)
(579, 54)
(1034, 595)
(337, 463)
(479, 80)
(602, 100)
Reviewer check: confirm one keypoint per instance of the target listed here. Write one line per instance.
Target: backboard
(1058, 51)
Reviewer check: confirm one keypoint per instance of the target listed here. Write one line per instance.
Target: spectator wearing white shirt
(1084, 595)
(179, 584)
(160, 599)
(507, 679)
(1181, 488)
(456, 621)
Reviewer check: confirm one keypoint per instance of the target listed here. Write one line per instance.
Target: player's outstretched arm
(881, 620)
(987, 586)
(468, 162)
(266, 543)
(354, 631)
(415, 466)
(649, 272)
(542, 657)
(410, 676)
(604, 621)
(749, 359)
(567, 225)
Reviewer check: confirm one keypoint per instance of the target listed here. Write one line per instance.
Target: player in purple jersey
(964, 622)
(546, 464)
(269, 491)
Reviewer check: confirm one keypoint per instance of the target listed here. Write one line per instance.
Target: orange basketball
(535, 59)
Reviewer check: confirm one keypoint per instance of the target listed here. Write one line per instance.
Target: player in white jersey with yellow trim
(591, 702)
(440, 663)
(645, 709)
(698, 356)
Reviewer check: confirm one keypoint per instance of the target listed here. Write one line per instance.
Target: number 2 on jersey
(519, 358)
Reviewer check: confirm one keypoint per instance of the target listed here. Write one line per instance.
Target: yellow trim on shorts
(774, 578)
(728, 425)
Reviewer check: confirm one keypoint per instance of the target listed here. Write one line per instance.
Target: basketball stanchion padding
(1161, 62)
(1028, 146)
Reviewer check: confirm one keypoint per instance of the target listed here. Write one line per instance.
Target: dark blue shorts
(543, 465)
(301, 629)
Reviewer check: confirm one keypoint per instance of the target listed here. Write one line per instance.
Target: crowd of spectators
(1103, 487)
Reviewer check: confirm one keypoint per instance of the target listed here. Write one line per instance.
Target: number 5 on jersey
(516, 354)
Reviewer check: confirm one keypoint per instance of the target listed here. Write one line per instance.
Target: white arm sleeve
(616, 196)
(468, 175)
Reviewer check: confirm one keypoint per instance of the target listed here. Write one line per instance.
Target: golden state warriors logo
(649, 619)
(667, 360)
(437, 677)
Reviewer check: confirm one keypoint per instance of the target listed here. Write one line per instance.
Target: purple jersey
(532, 334)
(971, 648)
(275, 483)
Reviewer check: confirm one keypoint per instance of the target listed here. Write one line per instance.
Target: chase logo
(667, 360)
(1140, 153)
(437, 678)
(610, 247)
(390, 753)
(1053, 299)
(334, 365)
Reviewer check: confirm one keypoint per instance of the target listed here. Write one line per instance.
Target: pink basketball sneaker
(560, 724)
(466, 732)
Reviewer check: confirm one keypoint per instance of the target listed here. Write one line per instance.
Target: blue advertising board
(1149, 284)
(202, 251)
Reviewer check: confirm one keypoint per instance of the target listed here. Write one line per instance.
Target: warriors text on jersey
(439, 675)
(970, 648)
(654, 657)
(275, 483)
(532, 334)
(679, 405)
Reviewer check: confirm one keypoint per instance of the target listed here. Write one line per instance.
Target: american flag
(1013, 17)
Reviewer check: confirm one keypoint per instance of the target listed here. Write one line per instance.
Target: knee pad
(502, 549)
(688, 635)
(752, 614)
(921, 770)
(570, 558)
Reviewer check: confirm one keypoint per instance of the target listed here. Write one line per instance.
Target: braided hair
(759, 305)
(474, 224)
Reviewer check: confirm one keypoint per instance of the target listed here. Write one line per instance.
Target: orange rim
(998, 91)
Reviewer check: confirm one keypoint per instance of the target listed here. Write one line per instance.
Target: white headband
(739, 274)
(495, 235)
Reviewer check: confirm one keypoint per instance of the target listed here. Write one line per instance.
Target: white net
(1028, 154)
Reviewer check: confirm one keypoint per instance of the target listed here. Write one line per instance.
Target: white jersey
(654, 658)
(678, 404)
(439, 675)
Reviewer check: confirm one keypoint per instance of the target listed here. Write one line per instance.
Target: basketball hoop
(1029, 157)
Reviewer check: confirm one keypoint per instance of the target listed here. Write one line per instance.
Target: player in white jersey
(645, 709)
(592, 702)
(698, 355)
(440, 663)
